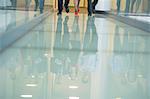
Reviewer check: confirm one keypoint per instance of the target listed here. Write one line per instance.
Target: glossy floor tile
(10, 19)
(69, 57)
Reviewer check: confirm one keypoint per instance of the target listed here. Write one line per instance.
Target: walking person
(40, 4)
(76, 4)
(91, 7)
(27, 4)
(118, 6)
(94, 3)
(60, 6)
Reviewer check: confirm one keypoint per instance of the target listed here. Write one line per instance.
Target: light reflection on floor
(81, 57)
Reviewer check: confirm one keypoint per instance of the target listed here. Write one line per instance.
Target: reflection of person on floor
(60, 61)
(88, 57)
(90, 39)
(75, 48)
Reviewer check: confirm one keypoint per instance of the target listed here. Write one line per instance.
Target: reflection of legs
(132, 5)
(89, 7)
(118, 5)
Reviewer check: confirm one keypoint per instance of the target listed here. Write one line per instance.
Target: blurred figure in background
(27, 4)
(13, 3)
(40, 4)
(148, 7)
(138, 3)
(76, 4)
(91, 7)
(118, 5)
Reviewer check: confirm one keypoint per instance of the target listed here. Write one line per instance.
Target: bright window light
(26, 96)
(118, 98)
(73, 87)
(31, 85)
(73, 97)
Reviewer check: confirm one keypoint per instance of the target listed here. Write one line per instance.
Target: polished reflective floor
(70, 57)
(10, 19)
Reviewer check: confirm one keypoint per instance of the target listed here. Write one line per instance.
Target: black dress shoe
(59, 13)
(89, 14)
(93, 10)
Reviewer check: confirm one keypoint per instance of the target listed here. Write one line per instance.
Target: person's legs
(36, 5)
(148, 8)
(118, 5)
(60, 7)
(127, 6)
(89, 7)
(132, 5)
(41, 5)
(138, 3)
(27, 4)
(66, 5)
(76, 4)
(94, 4)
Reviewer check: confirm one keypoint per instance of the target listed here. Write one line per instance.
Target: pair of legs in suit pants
(60, 6)
(91, 6)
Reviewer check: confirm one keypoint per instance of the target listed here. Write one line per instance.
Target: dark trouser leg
(60, 6)
(94, 3)
(89, 7)
(127, 6)
(14, 3)
(118, 5)
(66, 5)
(36, 5)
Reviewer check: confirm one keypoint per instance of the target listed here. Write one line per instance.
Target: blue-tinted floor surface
(70, 57)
